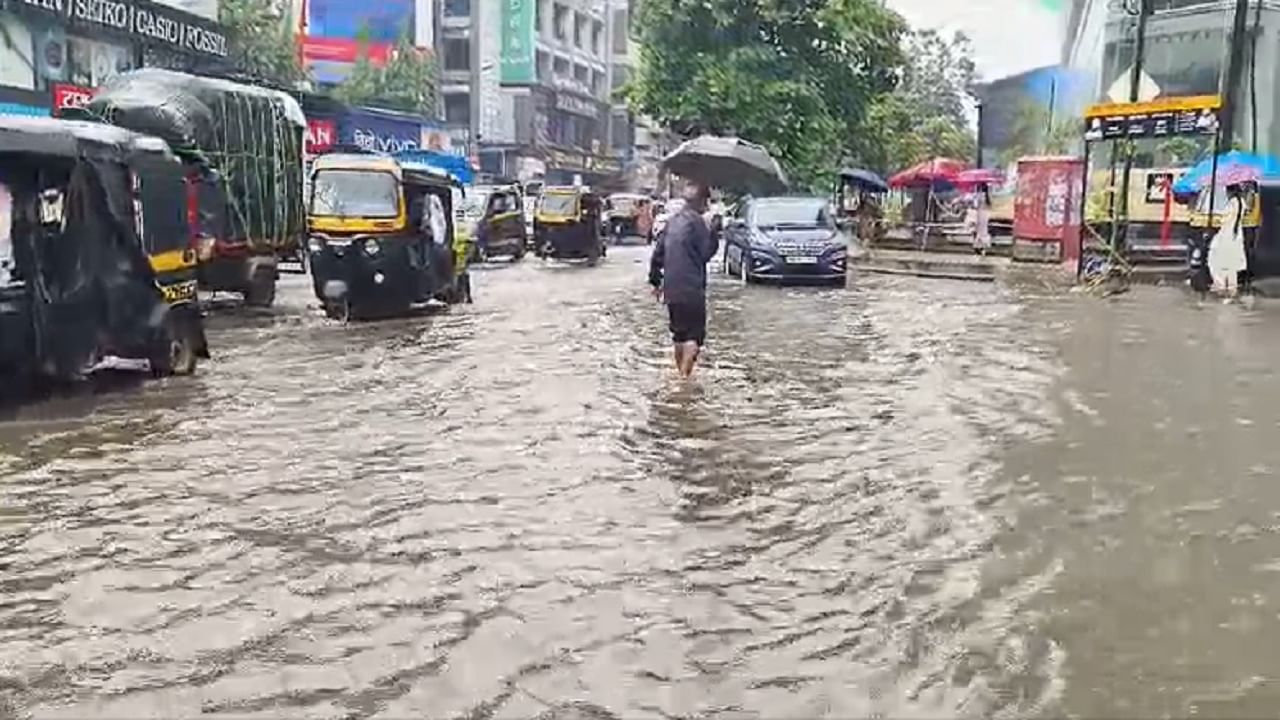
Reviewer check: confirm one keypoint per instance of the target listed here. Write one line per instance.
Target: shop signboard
(380, 131)
(1165, 117)
(142, 19)
(70, 97)
(518, 64)
(322, 135)
(576, 105)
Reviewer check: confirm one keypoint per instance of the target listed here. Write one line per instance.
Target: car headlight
(371, 247)
(315, 245)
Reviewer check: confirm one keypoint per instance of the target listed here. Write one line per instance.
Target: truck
(243, 149)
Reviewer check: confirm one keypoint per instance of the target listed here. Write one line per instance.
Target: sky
(1009, 36)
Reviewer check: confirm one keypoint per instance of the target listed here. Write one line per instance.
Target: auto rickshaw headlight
(371, 247)
(315, 245)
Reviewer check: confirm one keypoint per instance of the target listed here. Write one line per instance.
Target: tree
(796, 76)
(408, 82)
(1034, 132)
(262, 42)
(927, 115)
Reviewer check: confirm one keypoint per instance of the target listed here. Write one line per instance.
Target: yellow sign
(1191, 103)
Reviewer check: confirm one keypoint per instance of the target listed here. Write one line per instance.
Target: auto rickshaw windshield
(355, 194)
(558, 204)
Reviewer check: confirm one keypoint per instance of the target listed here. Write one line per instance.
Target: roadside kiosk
(1121, 124)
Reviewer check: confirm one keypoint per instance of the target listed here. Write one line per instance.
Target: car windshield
(355, 193)
(562, 204)
(796, 212)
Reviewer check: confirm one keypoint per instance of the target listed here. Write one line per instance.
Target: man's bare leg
(689, 358)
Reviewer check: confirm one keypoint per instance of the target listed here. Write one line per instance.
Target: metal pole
(981, 117)
(1235, 72)
(1139, 58)
(1084, 212)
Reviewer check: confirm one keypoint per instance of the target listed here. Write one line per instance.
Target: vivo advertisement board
(380, 131)
(335, 29)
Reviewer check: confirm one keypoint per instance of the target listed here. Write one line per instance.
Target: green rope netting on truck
(251, 136)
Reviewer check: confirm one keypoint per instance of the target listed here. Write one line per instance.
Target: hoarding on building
(380, 131)
(518, 58)
(338, 30)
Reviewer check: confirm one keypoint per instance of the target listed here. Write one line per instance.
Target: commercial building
(531, 81)
(55, 53)
(1187, 48)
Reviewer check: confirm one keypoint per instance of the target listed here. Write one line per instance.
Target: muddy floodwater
(910, 498)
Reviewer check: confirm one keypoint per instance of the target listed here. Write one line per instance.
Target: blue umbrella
(865, 179)
(1197, 177)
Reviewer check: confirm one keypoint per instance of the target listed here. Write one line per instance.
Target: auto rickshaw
(566, 225)
(97, 256)
(501, 230)
(628, 215)
(381, 236)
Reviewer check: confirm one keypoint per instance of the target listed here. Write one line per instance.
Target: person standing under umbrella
(678, 275)
(1226, 252)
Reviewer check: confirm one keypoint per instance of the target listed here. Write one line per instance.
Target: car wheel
(744, 265)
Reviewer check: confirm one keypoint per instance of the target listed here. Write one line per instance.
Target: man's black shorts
(688, 322)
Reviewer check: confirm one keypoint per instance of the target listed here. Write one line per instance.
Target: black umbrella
(864, 179)
(727, 162)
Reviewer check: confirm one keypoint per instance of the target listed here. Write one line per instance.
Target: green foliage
(796, 76)
(1180, 150)
(262, 41)
(1034, 132)
(927, 114)
(409, 81)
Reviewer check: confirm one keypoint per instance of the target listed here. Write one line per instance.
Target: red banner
(322, 135)
(321, 49)
(68, 97)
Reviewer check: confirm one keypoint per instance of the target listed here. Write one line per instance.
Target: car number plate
(801, 260)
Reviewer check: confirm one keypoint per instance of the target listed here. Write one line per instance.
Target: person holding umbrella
(1227, 259)
(678, 275)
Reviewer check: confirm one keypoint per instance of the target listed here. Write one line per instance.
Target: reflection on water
(908, 499)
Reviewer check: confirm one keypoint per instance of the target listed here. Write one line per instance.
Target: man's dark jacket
(680, 257)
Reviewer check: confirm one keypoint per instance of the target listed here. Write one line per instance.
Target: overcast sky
(1009, 36)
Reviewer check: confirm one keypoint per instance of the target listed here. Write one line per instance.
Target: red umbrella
(930, 172)
(972, 179)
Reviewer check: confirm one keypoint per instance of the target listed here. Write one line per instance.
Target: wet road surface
(910, 498)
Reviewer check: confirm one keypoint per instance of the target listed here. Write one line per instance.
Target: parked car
(785, 239)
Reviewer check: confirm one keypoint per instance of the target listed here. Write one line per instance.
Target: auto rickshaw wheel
(176, 351)
(338, 310)
(261, 290)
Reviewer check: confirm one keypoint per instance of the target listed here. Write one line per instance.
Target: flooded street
(910, 498)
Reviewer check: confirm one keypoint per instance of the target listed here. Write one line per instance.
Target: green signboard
(519, 62)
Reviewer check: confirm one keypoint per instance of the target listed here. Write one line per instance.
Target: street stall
(859, 200)
(1103, 246)
(932, 210)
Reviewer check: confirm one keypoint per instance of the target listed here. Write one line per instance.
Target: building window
(621, 30)
(559, 15)
(621, 76)
(582, 74)
(597, 83)
(544, 67)
(561, 68)
(457, 8)
(18, 58)
(457, 54)
(597, 33)
(457, 108)
(540, 16)
(579, 28)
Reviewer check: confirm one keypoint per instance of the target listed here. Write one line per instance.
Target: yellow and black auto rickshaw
(501, 232)
(381, 237)
(566, 225)
(97, 258)
(629, 215)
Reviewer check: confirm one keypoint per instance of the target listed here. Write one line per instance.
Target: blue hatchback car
(785, 239)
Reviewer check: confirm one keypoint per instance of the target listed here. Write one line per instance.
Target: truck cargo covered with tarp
(251, 137)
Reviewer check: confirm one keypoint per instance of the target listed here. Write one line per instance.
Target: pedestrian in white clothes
(982, 222)
(1226, 252)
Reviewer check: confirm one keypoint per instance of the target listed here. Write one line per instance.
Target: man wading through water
(678, 274)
